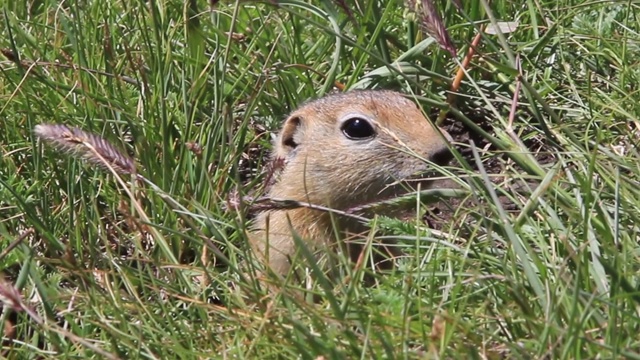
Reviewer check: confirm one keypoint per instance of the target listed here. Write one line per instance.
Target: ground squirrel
(341, 151)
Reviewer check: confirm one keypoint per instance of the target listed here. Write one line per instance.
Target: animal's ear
(289, 138)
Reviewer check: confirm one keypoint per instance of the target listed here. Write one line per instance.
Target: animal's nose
(443, 155)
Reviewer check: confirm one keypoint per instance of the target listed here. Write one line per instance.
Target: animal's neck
(316, 228)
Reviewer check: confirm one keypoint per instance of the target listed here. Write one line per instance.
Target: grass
(538, 257)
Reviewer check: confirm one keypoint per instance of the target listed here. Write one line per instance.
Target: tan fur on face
(325, 167)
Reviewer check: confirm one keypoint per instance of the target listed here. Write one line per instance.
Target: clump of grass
(536, 256)
(13, 301)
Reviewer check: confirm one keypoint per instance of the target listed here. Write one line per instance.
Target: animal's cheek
(374, 175)
(403, 167)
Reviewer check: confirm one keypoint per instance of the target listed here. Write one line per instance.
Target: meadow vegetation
(535, 256)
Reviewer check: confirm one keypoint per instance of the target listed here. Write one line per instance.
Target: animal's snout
(443, 154)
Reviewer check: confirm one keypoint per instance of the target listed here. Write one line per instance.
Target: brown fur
(324, 167)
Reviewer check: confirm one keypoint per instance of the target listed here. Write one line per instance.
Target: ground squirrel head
(342, 151)
(352, 148)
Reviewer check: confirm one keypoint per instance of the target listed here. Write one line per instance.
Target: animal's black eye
(358, 129)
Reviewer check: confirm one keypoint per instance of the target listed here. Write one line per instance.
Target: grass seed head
(90, 147)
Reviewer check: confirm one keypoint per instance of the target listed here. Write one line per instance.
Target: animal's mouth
(420, 180)
(399, 196)
(407, 184)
